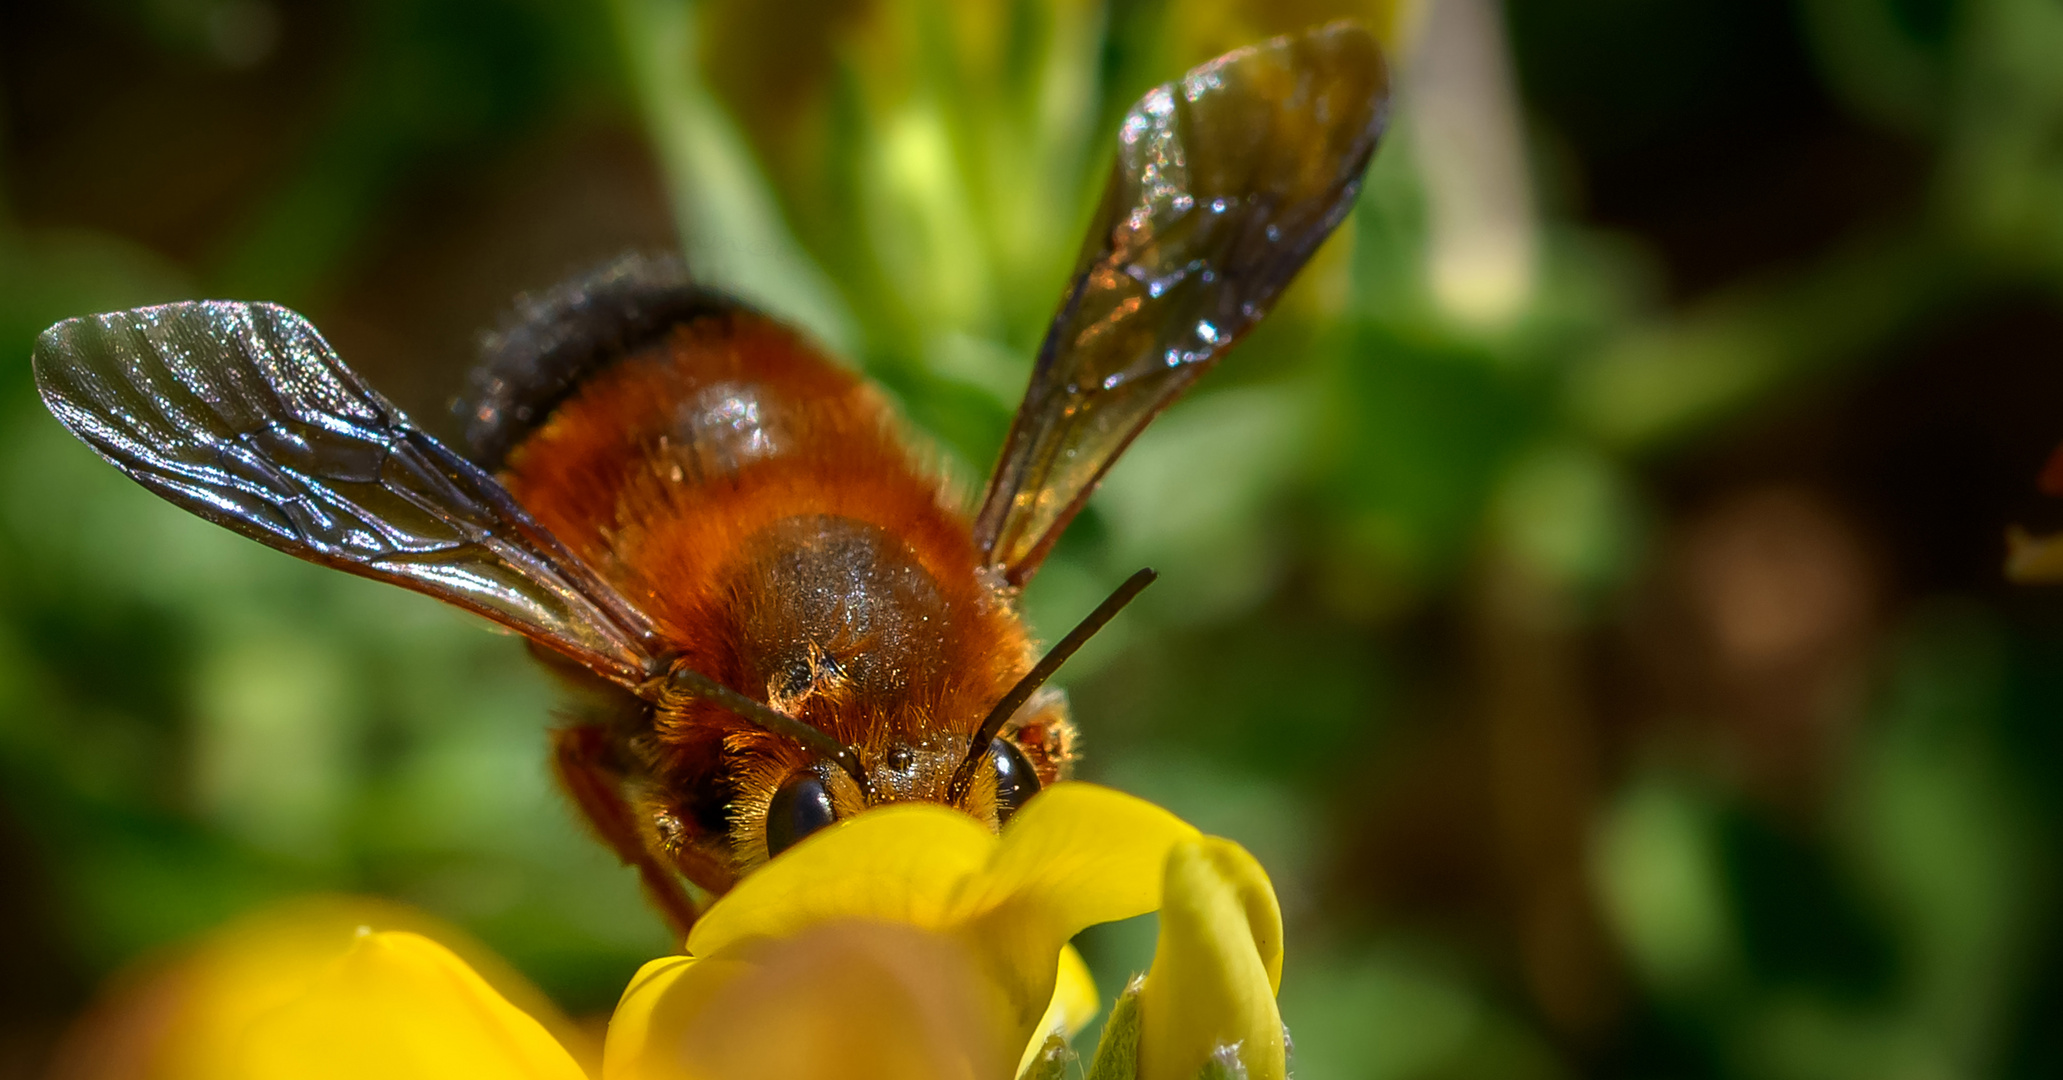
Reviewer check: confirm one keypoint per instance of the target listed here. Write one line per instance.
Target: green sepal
(1224, 1064)
(1052, 1060)
(1117, 1052)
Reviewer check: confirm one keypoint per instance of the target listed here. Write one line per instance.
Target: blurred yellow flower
(399, 1006)
(909, 942)
(2031, 559)
(191, 1012)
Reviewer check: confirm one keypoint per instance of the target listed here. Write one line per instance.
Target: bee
(784, 615)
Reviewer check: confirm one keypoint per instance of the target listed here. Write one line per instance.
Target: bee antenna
(695, 684)
(1037, 676)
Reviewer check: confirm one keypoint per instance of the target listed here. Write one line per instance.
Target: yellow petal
(902, 863)
(663, 1000)
(648, 1007)
(1075, 856)
(184, 1016)
(1082, 853)
(637, 1011)
(1074, 1004)
(1216, 967)
(1075, 1001)
(400, 1006)
(855, 1000)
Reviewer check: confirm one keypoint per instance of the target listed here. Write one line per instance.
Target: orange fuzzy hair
(666, 521)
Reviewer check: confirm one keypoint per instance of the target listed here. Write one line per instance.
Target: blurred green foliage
(1581, 595)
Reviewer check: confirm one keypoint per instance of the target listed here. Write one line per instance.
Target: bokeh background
(1584, 595)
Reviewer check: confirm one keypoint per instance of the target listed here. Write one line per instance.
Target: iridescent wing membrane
(244, 415)
(1225, 183)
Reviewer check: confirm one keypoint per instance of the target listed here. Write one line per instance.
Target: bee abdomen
(555, 341)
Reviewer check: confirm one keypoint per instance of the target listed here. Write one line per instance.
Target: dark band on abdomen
(556, 340)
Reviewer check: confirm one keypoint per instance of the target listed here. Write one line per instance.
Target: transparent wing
(244, 415)
(1226, 181)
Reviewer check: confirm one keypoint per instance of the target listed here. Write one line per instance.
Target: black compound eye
(1015, 779)
(800, 807)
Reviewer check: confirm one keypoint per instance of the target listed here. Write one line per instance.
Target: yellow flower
(907, 943)
(1076, 855)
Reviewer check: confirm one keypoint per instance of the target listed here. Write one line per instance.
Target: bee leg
(581, 755)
